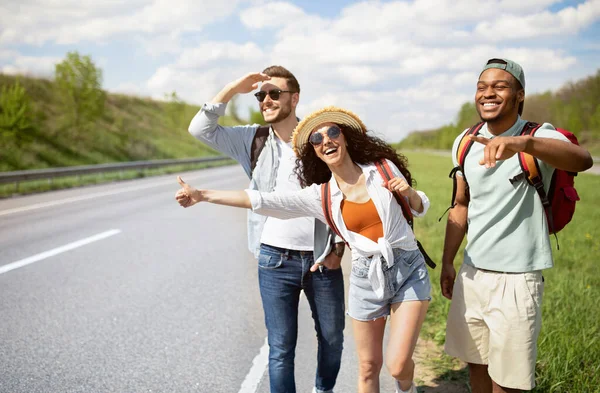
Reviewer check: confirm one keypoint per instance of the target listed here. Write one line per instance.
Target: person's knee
(369, 369)
(401, 368)
(331, 339)
(282, 346)
(479, 378)
(478, 369)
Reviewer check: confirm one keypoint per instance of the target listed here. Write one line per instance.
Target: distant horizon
(410, 70)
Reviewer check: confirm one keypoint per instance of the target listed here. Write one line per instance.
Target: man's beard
(284, 112)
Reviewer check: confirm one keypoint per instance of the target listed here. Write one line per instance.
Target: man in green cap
(495, 315)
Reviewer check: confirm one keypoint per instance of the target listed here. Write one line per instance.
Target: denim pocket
(359, 269)
(410, 257)
(270, 261)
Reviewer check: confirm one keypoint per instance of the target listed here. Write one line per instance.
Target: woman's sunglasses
(274, 94)
(316, 138)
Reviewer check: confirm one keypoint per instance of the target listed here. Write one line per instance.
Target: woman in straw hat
(389, 276)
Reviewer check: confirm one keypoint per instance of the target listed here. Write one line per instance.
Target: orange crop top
(362, 218)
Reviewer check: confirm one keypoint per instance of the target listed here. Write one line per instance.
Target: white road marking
(95, 195)
(58, 250)
(259, 365)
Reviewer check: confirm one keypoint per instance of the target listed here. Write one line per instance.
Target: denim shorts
(407, 280)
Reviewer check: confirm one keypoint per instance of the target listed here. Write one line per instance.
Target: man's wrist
(338, 249)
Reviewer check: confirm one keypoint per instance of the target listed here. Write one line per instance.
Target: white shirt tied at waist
(382, 249)
(307, 202)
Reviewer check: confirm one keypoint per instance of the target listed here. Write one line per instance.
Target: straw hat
(330, 114)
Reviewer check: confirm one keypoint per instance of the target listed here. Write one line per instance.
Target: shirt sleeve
(547, 130)
(288, 204)
(422, 195)
(234, 142)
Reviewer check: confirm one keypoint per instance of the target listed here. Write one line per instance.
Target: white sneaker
(321, 391)
(412, 389)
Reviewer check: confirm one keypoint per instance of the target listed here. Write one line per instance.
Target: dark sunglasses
(274, 94)
(316, 138)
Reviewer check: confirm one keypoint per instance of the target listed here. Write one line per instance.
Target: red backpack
(559, 202)
(386, 173)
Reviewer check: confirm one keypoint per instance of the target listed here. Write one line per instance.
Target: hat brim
(330, 114)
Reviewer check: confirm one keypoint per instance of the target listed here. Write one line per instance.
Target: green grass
(130, 129)
(569, 344)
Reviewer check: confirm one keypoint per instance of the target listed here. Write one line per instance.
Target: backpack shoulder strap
(531, 172)
(326, 205)
(386, 173)
(464, 147)
(465, 144)
(258, 143)
(528, 163)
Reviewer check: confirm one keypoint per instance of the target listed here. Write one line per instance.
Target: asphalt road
(115, 288)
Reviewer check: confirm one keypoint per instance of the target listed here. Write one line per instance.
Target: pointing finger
(479, 139)
(500, 151)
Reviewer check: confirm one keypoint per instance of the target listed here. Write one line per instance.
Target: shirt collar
(515, 129)
(368, 170)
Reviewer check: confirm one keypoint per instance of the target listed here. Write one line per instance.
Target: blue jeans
(282, 274)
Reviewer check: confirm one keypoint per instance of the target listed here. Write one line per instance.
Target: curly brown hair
(363, 149)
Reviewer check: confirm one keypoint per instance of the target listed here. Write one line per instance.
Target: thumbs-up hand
(187, 195)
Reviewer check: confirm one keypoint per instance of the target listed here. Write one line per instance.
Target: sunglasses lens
(274, 94)
(260, 96)
(333, 132)
(316, 139)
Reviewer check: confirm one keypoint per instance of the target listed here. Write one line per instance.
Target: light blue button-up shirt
(236, 143)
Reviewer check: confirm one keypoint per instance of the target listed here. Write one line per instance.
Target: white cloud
(401, 65)
(214, 52)
(66, 22)
(271, 15)
(569, 20)
(40, 66)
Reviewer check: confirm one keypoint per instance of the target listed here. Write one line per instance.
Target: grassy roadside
(130, 129)
(569, 345)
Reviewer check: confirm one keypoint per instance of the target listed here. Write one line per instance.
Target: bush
(15, 112)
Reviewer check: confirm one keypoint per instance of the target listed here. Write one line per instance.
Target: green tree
(232, 109)
(79, 87)
(595, 122)
(15, 111)
(467, 116)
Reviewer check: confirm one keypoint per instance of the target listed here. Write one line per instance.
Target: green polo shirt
(507, 231)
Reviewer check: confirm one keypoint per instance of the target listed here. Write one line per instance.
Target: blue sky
(401, 65)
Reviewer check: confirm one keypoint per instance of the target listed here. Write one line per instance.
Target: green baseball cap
(509, 66)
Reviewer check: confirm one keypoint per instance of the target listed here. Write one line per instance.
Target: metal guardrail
(51, 173)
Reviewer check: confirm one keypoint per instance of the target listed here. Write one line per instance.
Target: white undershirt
(295, 233)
